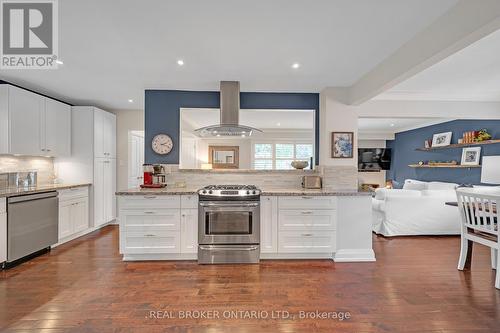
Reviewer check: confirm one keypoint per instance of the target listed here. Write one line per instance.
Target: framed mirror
(224, 157)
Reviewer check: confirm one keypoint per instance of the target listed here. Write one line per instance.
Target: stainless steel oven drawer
(228, 254)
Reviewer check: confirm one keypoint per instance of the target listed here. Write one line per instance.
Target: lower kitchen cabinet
(268, 224)
(73, 212)
(306, 242)
(189, 231)
(3, 231)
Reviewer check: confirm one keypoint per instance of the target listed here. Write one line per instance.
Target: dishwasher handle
(30, 197)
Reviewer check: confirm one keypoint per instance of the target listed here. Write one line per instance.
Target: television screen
(374, 159)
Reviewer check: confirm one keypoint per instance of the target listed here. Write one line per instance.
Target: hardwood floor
(83, 286)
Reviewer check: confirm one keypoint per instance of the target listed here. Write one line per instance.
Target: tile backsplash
(340, 178)
(43, 165)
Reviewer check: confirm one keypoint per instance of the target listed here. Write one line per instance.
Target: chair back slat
(478, 211)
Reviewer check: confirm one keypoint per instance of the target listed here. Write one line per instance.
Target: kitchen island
(295, 223)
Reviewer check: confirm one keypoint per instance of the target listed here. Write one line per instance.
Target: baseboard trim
(81, 233)
(160, 256)
(296, 256)
(354, 255)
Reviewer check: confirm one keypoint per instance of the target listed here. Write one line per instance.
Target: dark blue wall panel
(162, 113)
(404, 153)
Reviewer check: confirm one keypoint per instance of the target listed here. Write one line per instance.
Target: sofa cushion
(442, 186)
(413, 184)
(382, 193)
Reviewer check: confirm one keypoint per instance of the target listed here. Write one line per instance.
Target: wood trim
(235, 149)
(461, 145)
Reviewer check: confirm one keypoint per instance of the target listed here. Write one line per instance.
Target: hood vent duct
(229, 114)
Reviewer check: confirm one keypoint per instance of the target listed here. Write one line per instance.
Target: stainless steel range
(229, 224)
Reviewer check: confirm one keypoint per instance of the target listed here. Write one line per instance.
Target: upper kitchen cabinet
(57, 128)
(104, 134)
(32, 124)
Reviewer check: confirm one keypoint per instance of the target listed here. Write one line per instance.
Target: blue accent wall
(162, 113)
(404, 153)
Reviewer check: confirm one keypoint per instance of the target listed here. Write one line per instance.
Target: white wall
(126, 120)
(372, 177)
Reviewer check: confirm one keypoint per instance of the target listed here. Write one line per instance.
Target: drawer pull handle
(149, 212)
(150, 197)
(307, 235)
(307, 197)
(306, 212)
(149, 235)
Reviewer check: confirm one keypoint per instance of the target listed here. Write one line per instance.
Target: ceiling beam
(462, 25)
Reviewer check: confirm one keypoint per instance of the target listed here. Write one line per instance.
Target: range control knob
(254, 192)
(210, 192)
(204, 191)
(248, 192)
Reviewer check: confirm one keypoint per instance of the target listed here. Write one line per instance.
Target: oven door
(229, 222)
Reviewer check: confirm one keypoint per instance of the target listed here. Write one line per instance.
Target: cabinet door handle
(149, 212)
(307, 235)
(306, 197)
(306, 212)
(42, 149)
(47, 149)
(149, 235)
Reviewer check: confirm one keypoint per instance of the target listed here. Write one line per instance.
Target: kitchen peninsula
(295, 223)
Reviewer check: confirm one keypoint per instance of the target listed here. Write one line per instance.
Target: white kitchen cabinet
(104, 134)
(306, 242)
(33, 124)
(73, 212)
(268, 224)
(25, 112)
(57, 131)
(104, 185)
(189, 231)
(3, 231)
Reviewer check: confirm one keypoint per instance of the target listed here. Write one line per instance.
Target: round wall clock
(162, 144)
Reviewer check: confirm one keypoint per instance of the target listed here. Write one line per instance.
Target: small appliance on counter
(311, 182)
(154, 176)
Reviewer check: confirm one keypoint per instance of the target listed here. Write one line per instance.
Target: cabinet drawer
(150, 201)
(307, 202)
(3, 208)
(306, 242)
(307, 219)
(189, 201)
(73, 193)
(168, 219)
(152, 242)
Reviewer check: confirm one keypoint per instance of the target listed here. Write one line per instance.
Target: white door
(99, 133)
(268, 224)
(80, 215)
(26, 111)
(136, 159)
(65, 216)
(189, 231)
(111, 172)
(98, 185)
(57, 128)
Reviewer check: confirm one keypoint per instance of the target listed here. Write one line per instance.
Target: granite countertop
(276, 192)
(10, 192)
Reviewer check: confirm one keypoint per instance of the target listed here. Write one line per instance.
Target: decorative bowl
(300, 164)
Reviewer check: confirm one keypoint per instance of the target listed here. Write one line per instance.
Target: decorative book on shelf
(462, 145)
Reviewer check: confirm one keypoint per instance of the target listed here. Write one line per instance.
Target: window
(279, 155)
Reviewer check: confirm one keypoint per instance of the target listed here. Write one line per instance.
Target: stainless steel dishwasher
(32, 224)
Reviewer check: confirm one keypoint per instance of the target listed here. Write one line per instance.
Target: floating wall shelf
(444, 166)
(461, 145)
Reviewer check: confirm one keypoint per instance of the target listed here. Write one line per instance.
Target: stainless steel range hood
(229, 114)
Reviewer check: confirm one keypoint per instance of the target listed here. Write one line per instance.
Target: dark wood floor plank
(84, 286)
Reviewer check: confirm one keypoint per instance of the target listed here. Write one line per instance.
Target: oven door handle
(228, 204)
(228, 248)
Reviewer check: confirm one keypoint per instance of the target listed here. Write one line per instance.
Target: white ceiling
(113, 50)
(261, 119)
(472, 74)
(395, 125)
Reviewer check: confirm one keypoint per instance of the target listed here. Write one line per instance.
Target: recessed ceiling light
(59, 62)
(180, 62)
(218, 134)
(243, 135)
(392, 125)
(278, 124)
(131, 101)
(296, 65)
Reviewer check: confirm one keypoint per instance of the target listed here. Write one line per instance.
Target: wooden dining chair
(480, 218)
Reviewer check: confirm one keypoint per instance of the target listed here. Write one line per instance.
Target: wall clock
(162, 144)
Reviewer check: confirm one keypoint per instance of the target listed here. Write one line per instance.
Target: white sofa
(417, 209)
